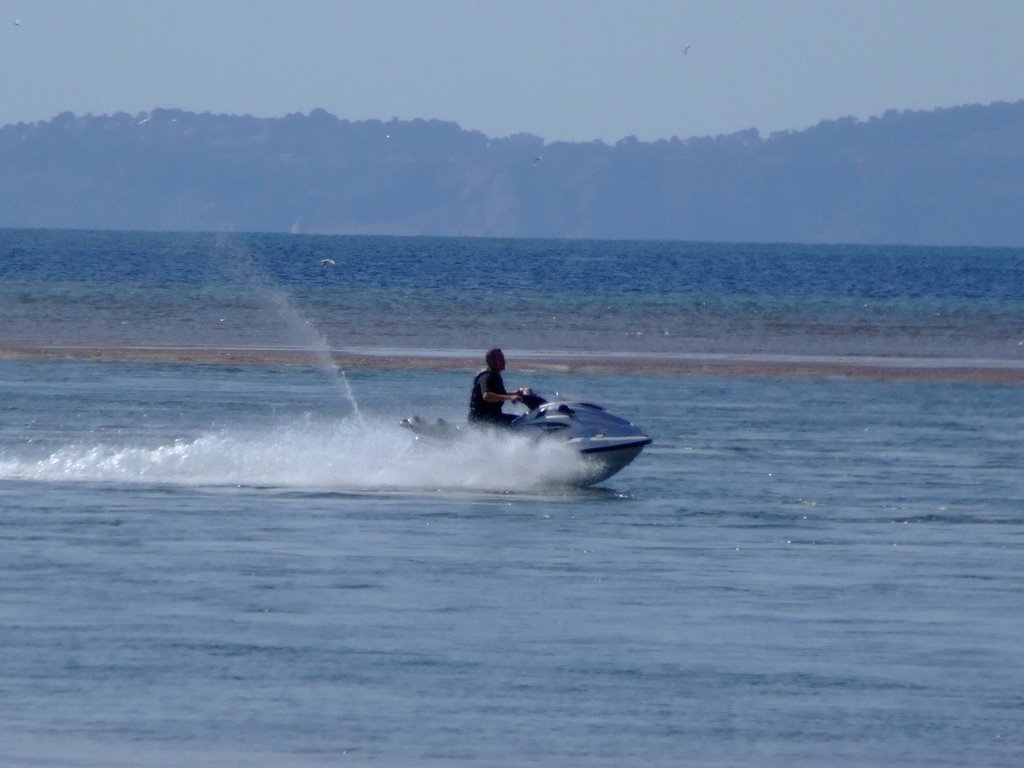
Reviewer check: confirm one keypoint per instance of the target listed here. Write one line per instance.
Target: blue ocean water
(529, 295)
(248, 562)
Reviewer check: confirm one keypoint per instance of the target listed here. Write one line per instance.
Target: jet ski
(607, 442)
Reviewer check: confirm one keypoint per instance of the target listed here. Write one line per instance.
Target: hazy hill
(953, 176)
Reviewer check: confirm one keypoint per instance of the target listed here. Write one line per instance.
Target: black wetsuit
(482, 411)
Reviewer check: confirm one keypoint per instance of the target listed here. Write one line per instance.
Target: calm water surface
(254, 565)
(227, 565)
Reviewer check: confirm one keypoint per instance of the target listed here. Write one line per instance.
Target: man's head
(495, 359)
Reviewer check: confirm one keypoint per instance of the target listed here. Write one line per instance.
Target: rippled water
(529, 296)
(250, 563)
(218, 564)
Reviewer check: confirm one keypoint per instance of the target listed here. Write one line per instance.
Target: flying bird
(326, 262)
(17, 22)
(537, 159)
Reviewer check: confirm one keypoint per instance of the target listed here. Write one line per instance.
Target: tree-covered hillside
(952, 176)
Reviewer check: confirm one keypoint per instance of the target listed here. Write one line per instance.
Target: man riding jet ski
(607, 441)
(489, 394)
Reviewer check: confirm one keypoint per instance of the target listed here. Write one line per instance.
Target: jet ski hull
(606, 461)
(607, 442)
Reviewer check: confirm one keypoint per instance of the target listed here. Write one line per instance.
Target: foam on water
(350, 454)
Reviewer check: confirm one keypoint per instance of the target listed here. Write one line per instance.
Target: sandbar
(690, 363)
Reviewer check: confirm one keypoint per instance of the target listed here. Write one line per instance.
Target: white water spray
(315, 342)
(310, 454)
(311, 339)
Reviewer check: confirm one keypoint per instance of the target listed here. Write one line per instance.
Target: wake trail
(350, 454)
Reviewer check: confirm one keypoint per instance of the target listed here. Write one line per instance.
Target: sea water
(238, 559)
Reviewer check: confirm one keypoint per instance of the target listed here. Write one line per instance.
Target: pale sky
(574, 70)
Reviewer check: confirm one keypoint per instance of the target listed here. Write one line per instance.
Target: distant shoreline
(887, 181)
(690, 364)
